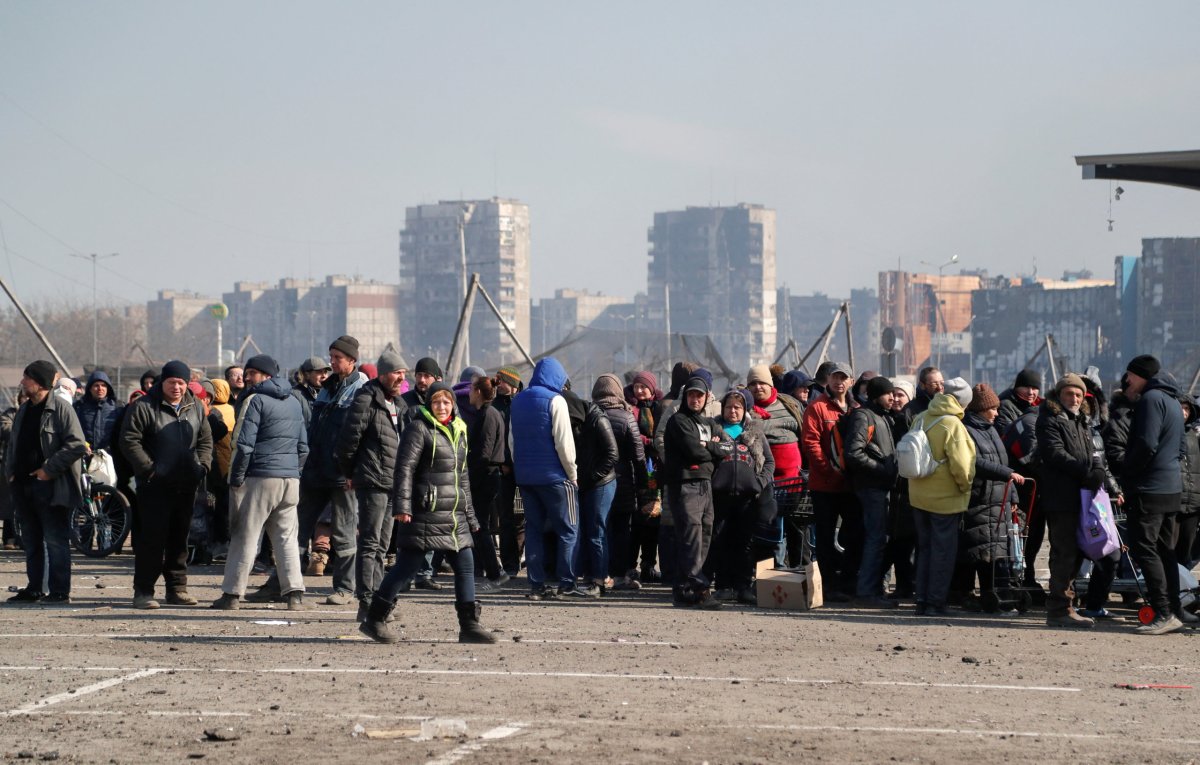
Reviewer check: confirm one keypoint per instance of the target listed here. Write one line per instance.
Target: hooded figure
(98, 416)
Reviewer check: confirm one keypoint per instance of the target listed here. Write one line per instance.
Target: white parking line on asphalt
(495, 734)
(77, 692)
(312, 638)
(565, 675)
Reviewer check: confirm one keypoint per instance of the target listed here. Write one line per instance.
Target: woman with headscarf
(649, 411)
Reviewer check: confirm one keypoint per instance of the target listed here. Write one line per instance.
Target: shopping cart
(1008, 570)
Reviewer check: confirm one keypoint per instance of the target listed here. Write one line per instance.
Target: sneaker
(1163, 624)
(1101, 613)
(590, 592)
(426, 584)
(26, 595)
(338, 599)
(227, 602)
(483, 585)
(56, 599)
(625, 583)
(501, 580)
(542, 593)
(181, 598)
(144, 601)
(875, 601)
(726, 593)
(1071, 619)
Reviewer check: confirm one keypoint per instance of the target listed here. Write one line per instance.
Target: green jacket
(948, 490)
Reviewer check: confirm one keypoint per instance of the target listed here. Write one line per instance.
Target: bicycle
(100, 525)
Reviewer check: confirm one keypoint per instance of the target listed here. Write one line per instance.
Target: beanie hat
(1028, 378)
(909, 389)
(744, 394)
(439, 387)
(368, 370)
(263, 363)
(960, 389)
(347, 345)
(470, 373)
(42, 373)
(704, 374)
(984, 398)
(1071, 380)
(1144, 366)
(427, 366)
(646, 378)
(509, 375)
(760, 373)
(794, 380)
(389, 361)
(878, 386)
(197, 390)
(175, 369)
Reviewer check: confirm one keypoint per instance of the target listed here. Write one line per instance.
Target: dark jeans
(591, 554)
(343, 545)
(45, 535)
(374, 535)
(937, 549)
(409, 561)
(874, 503)
(839, 572)
(1185, 542)
(485, 491)
(620, 528)
(1152, 519)
(691, 506)
(160, 536)
(731, 558)
(902, 544)
(1100, 582)
(512, 527)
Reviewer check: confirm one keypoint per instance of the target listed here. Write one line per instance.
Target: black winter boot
(375, 626)
(469, 628)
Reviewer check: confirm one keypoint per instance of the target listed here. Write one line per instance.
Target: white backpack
(914, 456)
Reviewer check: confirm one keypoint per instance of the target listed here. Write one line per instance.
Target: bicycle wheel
(100, 525)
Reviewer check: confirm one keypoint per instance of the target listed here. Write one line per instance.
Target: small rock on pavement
(899, 648)
(970, 660)
(221, 734)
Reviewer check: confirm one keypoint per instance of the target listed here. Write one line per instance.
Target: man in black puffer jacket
(692, 443)
(1153, 482)
(366, 454)
(596, 456)
(871, 465)
(270, 446)
(1025, 394)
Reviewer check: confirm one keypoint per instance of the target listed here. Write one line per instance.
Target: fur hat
(984, 398)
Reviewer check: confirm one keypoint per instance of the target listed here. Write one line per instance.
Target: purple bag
(1097, 535)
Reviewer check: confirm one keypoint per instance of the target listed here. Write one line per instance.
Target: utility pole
(95, 306)
(462, 254)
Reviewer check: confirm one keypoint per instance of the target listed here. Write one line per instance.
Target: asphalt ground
(624, 679)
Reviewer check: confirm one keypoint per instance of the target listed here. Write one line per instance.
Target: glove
(1095, 479)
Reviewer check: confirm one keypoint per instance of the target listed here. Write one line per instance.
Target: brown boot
(316, 564)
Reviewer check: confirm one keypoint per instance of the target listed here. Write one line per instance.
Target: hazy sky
(220, 141)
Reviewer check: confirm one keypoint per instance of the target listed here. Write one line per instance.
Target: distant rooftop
(1171, 168)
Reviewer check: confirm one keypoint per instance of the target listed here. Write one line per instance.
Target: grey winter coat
(269, 437)
(982, 533)
(62, 445)
(369, 439)
(175, 446)
(432, 485)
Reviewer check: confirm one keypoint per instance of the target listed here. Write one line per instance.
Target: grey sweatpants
(258, 505)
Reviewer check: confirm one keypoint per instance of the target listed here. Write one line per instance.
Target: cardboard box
(794, 589)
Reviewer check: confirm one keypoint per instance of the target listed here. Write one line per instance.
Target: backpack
(914, 455)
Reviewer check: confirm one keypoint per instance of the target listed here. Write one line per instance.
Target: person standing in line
(432, 501)
(167, 440)
(631, 478)
(596, 462)
(871, 465)
(42, 467)
(270, 447)
(512, 526)
(485, 462)
(1152, 477)
(366, 453)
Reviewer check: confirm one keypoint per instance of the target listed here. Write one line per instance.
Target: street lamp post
(95, 306)
(940, 317)
(625, 337)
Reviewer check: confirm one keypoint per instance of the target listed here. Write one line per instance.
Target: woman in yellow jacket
(940, 500)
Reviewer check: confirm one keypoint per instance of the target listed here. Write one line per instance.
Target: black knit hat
(347, 345)
(42, 373)
(878, 386)
(1028, 378)
(1144, 366)
(263, 363)
(439, 387)
(427, 366)
(175, 368)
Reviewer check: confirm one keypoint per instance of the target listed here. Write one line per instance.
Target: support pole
(503, 323)
(829, 334)
(460, 331)
(33, 326)
(1050, 354)
(849, 335)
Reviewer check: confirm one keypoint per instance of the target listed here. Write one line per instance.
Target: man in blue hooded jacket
(543, 450)
(98, 412)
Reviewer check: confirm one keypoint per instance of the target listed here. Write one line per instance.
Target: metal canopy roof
(1172, 168)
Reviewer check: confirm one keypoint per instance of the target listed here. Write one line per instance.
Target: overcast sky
(220, 141)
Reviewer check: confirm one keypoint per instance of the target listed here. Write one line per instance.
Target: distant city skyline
(290, 143)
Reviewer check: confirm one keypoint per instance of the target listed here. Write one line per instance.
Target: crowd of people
(352, 471)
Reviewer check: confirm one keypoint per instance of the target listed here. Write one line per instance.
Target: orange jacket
(820, 418)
